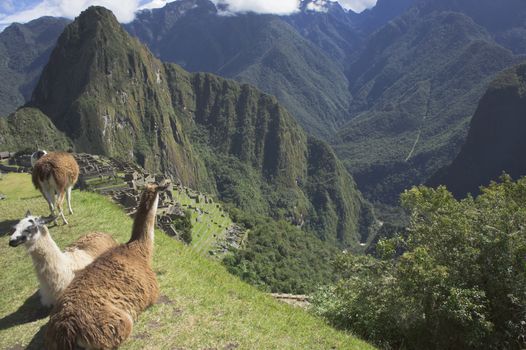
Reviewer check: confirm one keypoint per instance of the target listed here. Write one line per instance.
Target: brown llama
(99, 307)
(55, 174)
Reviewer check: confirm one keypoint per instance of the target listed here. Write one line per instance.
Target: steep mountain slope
(110, 96)
(30, 128)
(496, 141)
(504, 19)
(415, 86)
(262, 50)
(24, 50)
(376, 17)
(107, 93)
(328, 26)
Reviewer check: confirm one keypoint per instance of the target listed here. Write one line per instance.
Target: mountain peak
(94, 16)
(323, 6)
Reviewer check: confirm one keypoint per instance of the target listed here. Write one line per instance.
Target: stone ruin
(234, 237)
(16, 162)
(123, 182)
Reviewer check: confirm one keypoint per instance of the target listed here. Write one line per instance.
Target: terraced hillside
(202, 306)
(210, 223)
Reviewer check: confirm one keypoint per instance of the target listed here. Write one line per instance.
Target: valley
(368, 165)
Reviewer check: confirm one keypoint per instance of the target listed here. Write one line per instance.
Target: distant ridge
(496, 141)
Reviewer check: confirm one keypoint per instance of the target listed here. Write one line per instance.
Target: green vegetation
(183, 225)
(202, 305)
(415, 86)
(455, 280)
(206, 228)
(200, 128)
(24, 49)
(279, 257)
(495, 142)
(30, 128)
(261, 50)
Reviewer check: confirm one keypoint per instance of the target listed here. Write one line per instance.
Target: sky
(27, 10)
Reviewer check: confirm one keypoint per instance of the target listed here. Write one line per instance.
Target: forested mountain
(392, 89)
(384, 11)
(415, 86)
(329, 27)
(24, 50)
(262, 50)
(108, 94)
(496, 142)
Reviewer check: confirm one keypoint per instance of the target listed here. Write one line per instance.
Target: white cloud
(125, 10)
(279, 7)
(318, 5)
(153, 4)
(357, 5)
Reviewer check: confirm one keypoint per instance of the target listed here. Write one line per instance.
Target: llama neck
(144, 223)
(46, 255)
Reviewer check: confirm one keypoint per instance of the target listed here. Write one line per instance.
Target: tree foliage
(460, 282)
(183, 225)
(279, 257)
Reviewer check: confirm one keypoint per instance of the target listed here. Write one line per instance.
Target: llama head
(29, 230)
(36, 156)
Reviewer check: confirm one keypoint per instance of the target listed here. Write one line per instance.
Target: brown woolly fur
(93, 244)
(60, 165)
(99, 307)
(55, 174)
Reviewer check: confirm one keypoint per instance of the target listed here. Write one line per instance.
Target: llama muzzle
(15, 242)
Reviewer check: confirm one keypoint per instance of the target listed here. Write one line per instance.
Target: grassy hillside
(202, 306)
(30, 128)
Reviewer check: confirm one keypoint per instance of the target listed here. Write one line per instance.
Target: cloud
(25, 11)
(278, 7)
(153, 4)
(318, 5)
(284, 7)
(357, 5)
(124, 10)
(7, 6)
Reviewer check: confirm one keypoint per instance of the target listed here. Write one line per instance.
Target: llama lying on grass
(55, 269)
(55, 174)
(99, 307)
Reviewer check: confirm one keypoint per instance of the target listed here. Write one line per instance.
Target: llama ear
(28, 214)
(46, 220)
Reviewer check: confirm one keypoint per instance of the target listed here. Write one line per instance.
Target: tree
(183, 226)
(456, 279)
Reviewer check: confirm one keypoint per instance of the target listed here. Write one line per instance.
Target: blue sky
(26, 10)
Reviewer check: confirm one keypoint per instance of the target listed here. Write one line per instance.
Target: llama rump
(55, 174)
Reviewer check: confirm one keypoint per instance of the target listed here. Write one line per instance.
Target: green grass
(202, 306)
